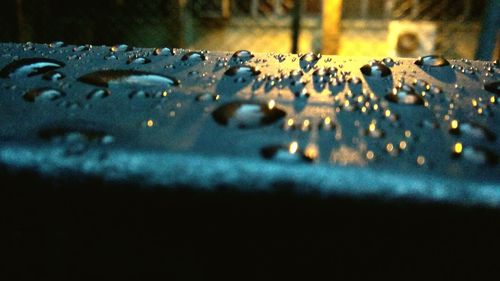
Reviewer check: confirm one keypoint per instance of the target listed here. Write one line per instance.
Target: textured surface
(344, 134)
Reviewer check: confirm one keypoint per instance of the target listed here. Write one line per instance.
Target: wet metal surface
(335, 126)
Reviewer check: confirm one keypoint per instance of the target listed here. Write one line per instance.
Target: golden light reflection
(271, 104)
(493, 99)
(457, 148)
(294, 146)
(150, 123)
(402, 145)
(474, 102)
(311, 152)
(420, 160)
(370, 155)
(407, 133)
(387, 113)
(454, 124)
(389, 147)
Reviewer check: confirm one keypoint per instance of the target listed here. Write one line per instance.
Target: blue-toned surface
(399, 130)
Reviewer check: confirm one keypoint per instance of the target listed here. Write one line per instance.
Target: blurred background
(375, 28)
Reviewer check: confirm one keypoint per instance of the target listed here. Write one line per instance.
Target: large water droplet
(376, 69)
(242, 70)
(432, 61)
(30, 67)
(42, 94)
(247, 114)
(405, 94)
(106, 78)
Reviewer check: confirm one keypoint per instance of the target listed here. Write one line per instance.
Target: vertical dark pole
(296, 25)
(489, 31)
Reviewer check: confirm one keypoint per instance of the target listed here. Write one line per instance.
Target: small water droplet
(193, 56)
(98, 94)
(405, 94)
(53, 76)
(121, 48)
(376, 69)
(242, 55)
(163, 52)
(247, 114)
(138, 60)
(287, 153)
(432, 61)
(471, 129)
(42, 94)
(242, 70)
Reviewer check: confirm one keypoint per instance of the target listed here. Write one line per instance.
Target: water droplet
(207, 97)
(493, 87)
(193, 57)
(53, 76)
(308, 60)
(247, 114)
(432, 61)
(30, 67)
(163, 52)
(287, 153)
(121, 48)
(57, 44)
(242, 70)
(475, 154)
(242, 55)
(42, 94)
(98, 94)
(376, 69)
(107, 78)
(82, 48)
(138, 60)
(405, 94)
(471, 130)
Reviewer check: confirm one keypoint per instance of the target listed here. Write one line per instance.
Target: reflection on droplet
(106, 78)
(53, 76)
(471, 129)
(247, 114)
(242, 55)
(163, 52)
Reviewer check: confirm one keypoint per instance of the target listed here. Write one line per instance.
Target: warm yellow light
(420, 160)
(458, 148)
(328, 120)
(474, 102)
(370, 155)
(389, 147)
(407, 133)
(150, 123)
(372, 127)
(402, 145)
(311, 152)
(454, 124)
(493, 99)
(387, 113)
(290, 122)
(294, 146)
(271, 104)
